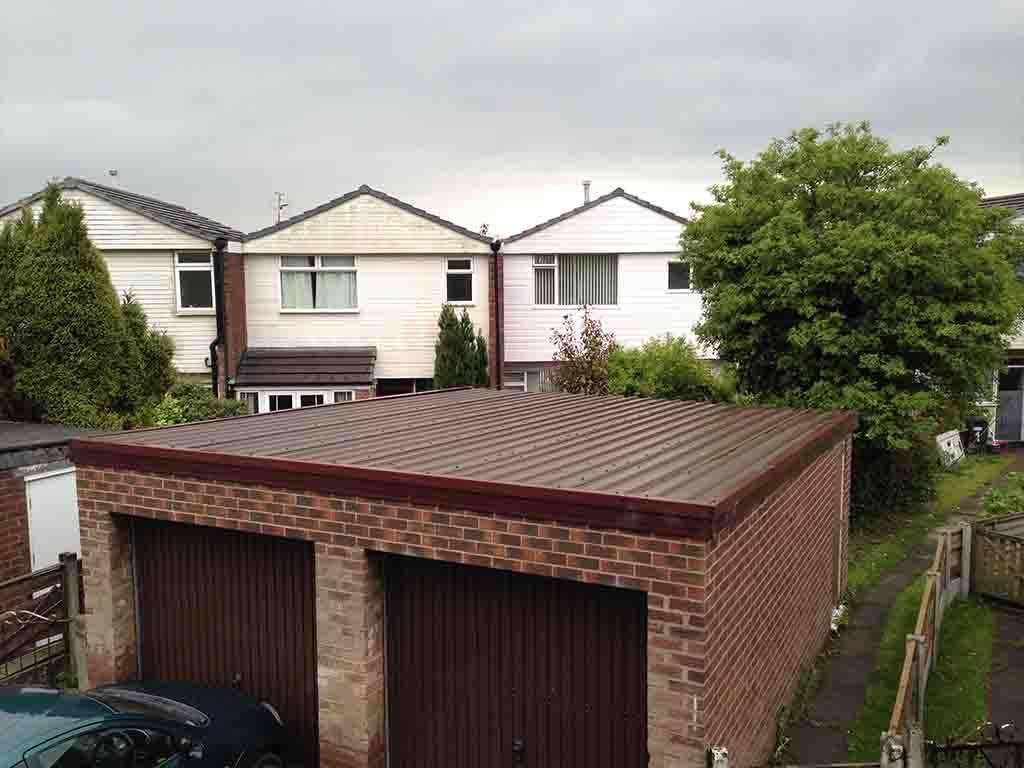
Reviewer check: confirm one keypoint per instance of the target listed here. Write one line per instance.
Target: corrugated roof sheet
(1016, 202)
(306, 366)
(639, 463)
(20, 435)
(174, 216)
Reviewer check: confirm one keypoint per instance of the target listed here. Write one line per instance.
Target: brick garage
(730, 524)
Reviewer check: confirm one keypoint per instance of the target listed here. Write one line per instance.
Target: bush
(1008, 500)
(665, 367)
(460, 354)
(193, 402)
(147, 363)
(888, 480)
(582, 357)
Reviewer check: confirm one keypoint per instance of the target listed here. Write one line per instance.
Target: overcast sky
(486, 112)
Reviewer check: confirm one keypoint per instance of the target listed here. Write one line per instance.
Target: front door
(1011, 405)
(489, 669)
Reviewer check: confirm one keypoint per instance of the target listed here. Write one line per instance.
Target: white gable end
(617, 225)
(365, 225)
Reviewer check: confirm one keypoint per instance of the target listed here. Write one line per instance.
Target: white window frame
(179, 268)
(668, 268)
(534, 266)
(319, 257)
(263, 396)
(472, 280)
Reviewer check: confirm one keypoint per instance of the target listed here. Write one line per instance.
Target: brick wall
(15, 558)
(495, 314)
(771, 587)
(729, 623)
(234, 310)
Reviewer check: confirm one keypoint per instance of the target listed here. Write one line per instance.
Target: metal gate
(997, 746)
(226, 608)
(488, 669)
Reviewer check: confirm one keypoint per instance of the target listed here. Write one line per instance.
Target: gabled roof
(306, 366)
(1015, 201)
(367, 190)
(174, 216)
(617, 192)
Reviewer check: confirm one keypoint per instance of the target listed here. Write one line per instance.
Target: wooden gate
(226, 608)
(488, 669)
(998, 559)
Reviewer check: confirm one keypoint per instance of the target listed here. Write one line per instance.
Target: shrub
(582, 357)
(1008, 500)
(460, 354)
(184, 403)
(665, 367)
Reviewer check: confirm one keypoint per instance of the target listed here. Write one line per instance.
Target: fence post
(947, 576)
(72, 640)
(915, 752)
(965, 559)
(892, 751)
(920, 656)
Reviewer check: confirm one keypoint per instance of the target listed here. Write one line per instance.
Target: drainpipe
(499, 313)
(220, 245)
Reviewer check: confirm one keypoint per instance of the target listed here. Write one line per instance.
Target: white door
(52, 516)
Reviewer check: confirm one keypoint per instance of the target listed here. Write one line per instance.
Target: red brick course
(15, 558)
(700, 665)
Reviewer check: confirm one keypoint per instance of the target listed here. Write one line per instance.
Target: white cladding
(400, 263)
(140, 257)
(365, 224)
(644, 239)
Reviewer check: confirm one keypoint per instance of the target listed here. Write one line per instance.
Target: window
(678, 276)
(344, 396)
(308, 401)
(458, 281)
(576, 279)
(252, 399)
(194, 276)
(280, 402)
(319, 283)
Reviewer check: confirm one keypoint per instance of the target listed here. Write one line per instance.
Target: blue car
(135, 725)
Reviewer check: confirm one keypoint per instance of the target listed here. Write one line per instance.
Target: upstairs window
(678, 276)
(344, 396)
(458, 275)
(193, 273)
(319, 283)
(573, 280)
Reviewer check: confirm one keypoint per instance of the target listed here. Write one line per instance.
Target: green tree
(664, 367)
(460, 353)
(77, 359)
(582, 356)
(193, 402)
(837, 272)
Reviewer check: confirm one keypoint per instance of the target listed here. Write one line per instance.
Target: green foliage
(184, 403)
(665, 367)
(838, 273)
(955, 704)
(582, 356)
(78, 355)
(1008, 500)
(460, 353)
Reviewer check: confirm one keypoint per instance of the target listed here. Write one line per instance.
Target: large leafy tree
(78, 356)
(460, 354)
(838, 272)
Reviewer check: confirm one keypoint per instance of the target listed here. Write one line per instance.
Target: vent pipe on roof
(586, 191)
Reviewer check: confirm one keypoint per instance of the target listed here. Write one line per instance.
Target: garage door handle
(518, 751)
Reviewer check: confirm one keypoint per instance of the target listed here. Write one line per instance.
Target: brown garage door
(218, 606)
(491, 669)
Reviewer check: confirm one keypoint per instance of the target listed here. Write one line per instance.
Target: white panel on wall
(52, 516)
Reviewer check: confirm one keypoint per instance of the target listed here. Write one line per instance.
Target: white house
(619, 255)
(163, 254)
(354, 288)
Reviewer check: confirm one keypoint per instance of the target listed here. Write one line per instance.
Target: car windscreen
(148, 705)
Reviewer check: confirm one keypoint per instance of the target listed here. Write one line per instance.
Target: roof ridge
(366, 189)
(617, 192)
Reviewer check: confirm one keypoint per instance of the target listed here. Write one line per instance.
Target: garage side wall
(14, 546)
(773, 580)
(350, 590)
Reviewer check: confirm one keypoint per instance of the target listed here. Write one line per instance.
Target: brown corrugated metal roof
(20, 435)
(658, 465)
(306, 367)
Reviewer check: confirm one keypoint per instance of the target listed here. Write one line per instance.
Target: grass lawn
(958, 683)
(865, 733)
(877, 547)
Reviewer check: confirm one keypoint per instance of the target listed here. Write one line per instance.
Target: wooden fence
(998, 567)
(38, 640)
(948, 578)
